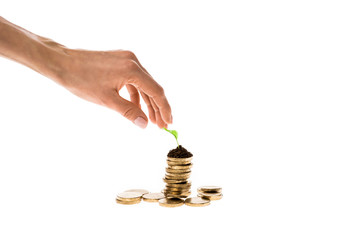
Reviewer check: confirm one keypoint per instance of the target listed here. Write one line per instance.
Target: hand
(97, 76)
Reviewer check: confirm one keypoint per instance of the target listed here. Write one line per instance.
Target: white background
(265, 94)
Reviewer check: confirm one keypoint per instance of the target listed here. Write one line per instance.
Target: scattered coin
(211, 196)
(129, 196)
(128, 202)
(142, 191)
(197, 202)
(209, 189)
(171, 202)
(153, 197)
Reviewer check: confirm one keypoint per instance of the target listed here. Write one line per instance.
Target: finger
(149, 106)
(126, 108)
(159, 121)
(134, 94)
(141, 66)
(149, 86)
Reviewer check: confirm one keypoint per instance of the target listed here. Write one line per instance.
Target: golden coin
(128, 202)
(186, 166)
(182, 195)
(174, 180)
(178, 193)
(171, 202)
(177, 189)
(179, 159)
(142, 191)
(177, 196)
(211, 196)
(177, 171)
(209, 189)
(153, 197)
(177, 176)
(179, 185)
(172, 163)
(197, 202)
(129, 196)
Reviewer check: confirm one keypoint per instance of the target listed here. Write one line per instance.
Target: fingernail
(140, 122)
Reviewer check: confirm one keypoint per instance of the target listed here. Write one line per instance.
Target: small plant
(173, 132)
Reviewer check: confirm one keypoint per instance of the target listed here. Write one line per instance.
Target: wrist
(50, 59)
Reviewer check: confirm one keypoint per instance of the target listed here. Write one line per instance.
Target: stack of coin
(210, 192)
(176, 178)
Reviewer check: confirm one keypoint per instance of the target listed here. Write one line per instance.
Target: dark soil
(179, 152)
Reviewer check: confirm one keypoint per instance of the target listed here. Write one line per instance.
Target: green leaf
(173, 132)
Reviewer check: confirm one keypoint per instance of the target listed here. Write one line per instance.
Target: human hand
(97, 76)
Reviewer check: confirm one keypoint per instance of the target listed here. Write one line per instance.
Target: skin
(96, 76)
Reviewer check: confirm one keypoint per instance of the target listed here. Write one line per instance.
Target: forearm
(38, 53)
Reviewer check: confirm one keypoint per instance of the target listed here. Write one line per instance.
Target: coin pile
(210, 192)
(178, 187)
(206, 194)
(178, 171)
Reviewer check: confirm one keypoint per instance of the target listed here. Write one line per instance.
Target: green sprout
(173, 132)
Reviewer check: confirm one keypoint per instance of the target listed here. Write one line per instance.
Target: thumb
(127, 109)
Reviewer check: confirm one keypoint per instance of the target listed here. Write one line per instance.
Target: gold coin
(183, 191)
(153, 197)
(172, 163)
(129, 196)
(197, 202)
(174, 180)
(177, 176)
(177, 171)
(182, 195)
(142, 191)
(128, 202)
(186, 187)
(211, 196)
(177, 189)
(209, 189)
(186, 166)
(171, 202)
(179, 159)
(179, 185)
(177, 193)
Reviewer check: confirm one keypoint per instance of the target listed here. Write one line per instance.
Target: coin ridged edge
(128, 202)
(166, 204)
(211, 197)
(191, 204)
(209, 189)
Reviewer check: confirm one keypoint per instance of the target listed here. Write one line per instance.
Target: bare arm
(96, 76)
